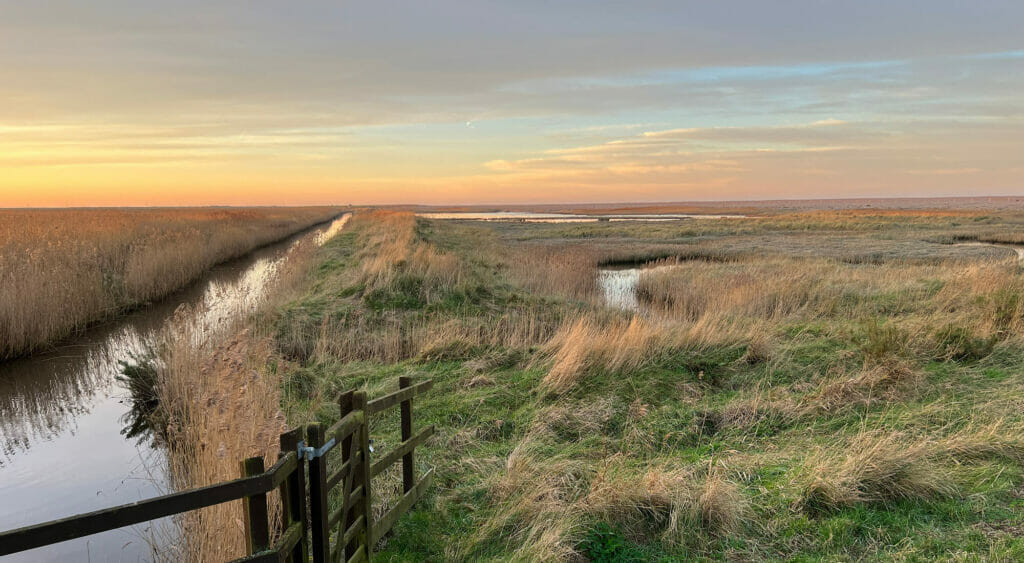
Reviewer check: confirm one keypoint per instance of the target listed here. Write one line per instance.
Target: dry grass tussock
(587, 346)
(666, 500)
(544, 505)
(62, 269)
(222, 406)
(883, 467)
(390, 338)
(886, 382)
(875, 467)
(889, 382)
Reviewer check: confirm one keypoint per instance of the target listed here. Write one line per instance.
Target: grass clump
(875, 468)
(882, 341)
(959, 343)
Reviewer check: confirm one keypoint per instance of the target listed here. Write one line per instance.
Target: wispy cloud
(571, 100)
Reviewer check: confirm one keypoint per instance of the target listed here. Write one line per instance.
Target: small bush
(882, 341)
(447, 350)
(959, 343)
(141, 377)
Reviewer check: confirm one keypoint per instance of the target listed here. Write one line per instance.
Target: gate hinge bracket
(309, 453)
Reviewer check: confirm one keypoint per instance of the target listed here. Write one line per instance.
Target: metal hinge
(309, 453)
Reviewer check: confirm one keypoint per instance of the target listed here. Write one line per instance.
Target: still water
(618, 285)
(63, 415)
(527, 217)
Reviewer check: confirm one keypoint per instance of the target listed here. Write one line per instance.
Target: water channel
(63, 448)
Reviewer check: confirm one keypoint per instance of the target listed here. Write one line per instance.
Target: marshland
(63, 269)
(797, 384)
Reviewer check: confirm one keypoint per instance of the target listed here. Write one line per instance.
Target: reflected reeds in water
(74, 403)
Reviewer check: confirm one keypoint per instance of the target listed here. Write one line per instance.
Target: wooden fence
(308, 525)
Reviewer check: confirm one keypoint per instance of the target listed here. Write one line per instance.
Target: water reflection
(68, 442)
(618, 285)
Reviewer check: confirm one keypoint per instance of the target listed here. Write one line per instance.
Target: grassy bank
(830, 386)
(63, 269)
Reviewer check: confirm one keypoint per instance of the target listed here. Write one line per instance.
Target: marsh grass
(773, 405)
(219, 400)
(63, 269)
(212, 393)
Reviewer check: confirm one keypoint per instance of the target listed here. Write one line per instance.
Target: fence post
(408, 467)
(293, 494)
(257, 528)
(359, 403)
(346, 405)
(318, 497)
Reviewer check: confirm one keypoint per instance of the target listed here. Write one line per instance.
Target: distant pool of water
(529, 217)
(618, 285)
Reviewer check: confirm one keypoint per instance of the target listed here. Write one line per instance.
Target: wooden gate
(349, 530)
(309, 524)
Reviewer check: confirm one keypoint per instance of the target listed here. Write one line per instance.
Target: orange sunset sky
(147, 103)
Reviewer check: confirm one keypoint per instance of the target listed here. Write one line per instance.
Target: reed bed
(221, 405)
(63, 269)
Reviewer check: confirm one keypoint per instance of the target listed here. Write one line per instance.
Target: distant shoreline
(977, 203)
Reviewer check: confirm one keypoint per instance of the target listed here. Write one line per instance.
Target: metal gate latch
(309, 453)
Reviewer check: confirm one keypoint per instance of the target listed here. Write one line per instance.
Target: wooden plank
(385, 461)
(287, 500)
(392, 399)
(262, 557)
(89, 523)
(352, 530)
(359, 403)
(360, 555)
(346, 405)
(282, 469)
(291, 537)
(384, 525)
(408, 465)
(343, 471)
(293, 493)
(345, 427)
(354, 497)
(318, 497)
(257, 527)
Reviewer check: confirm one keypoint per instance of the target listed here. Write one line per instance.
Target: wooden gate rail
(351, 525)
(48, 533)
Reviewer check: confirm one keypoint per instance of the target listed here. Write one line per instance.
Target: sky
(448, 102)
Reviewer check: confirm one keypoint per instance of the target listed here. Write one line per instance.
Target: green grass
(489, 401)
